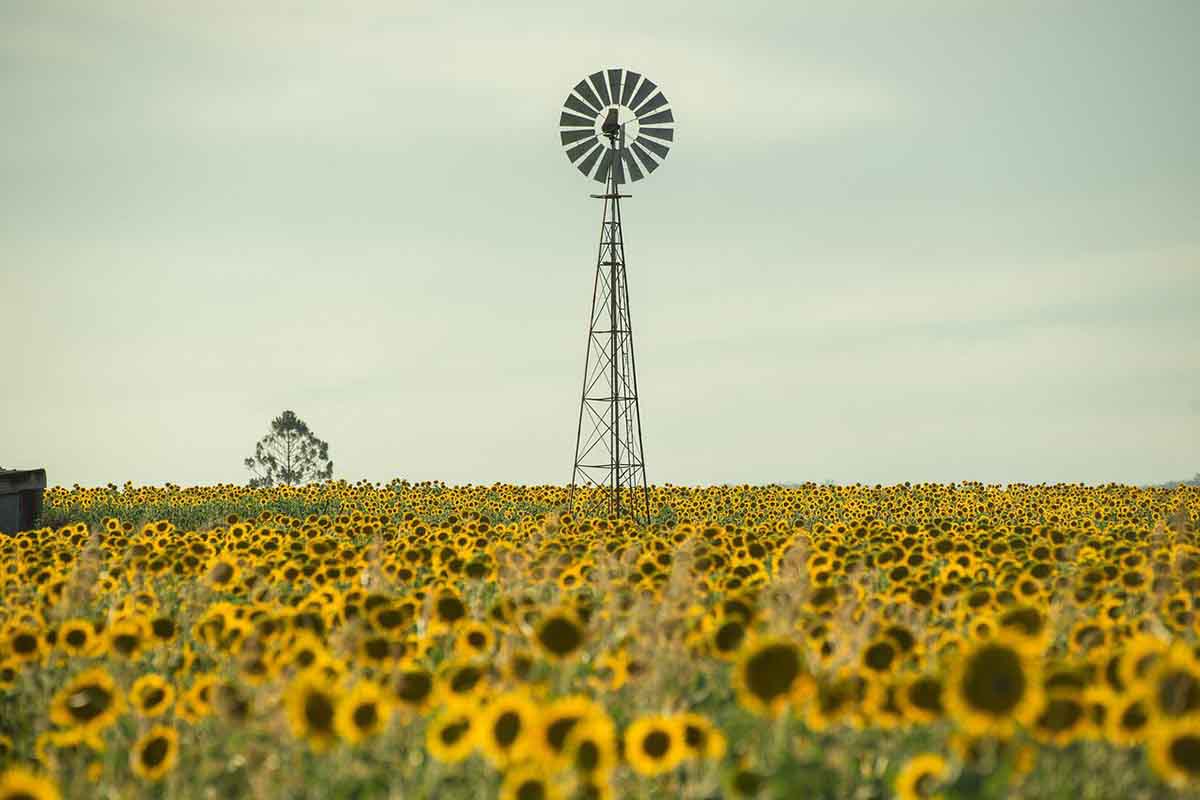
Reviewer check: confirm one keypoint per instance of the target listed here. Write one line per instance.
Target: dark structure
(615, 126)
(20, 498)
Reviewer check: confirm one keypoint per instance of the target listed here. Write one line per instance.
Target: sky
(895, 240)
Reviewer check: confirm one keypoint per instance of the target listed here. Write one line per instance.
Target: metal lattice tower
(613, 125)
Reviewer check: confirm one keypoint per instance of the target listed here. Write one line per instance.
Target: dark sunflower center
(76, 638)
(656, 744)
(729, 636)
(89, 702)
(560, 636)
(772, 671)
(450, 609)
(24, 643)
(1134, 717)
(557, 731)
(507, 728)
(413, 687)
(453, 732)
(532, 789)
(1060, 714)
(1185, 753)
(994, 682)
(152, 698)
(365, 716)
(587, 756)
(126, 643)
(1178, 693)
(155, 752)
(465, 679)
(879, 656)
(318, 711)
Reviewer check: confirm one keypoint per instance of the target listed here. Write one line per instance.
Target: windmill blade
(631, 165)
(578, 150)
(658, 133)
(631, 79)
(655, 119)
(597, 79)
(585, 166)
(614, 84)
(574, 135)
(643, 92)
(589, 97)
(572, 121)
(577, 105)
(605, 164)
(657, 148)
(647, 161)
(658, 101)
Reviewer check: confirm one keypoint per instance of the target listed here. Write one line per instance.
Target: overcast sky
(906, 240)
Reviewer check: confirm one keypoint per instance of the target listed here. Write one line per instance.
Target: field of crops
(411, 641)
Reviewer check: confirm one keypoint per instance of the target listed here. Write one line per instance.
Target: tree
(289, 454)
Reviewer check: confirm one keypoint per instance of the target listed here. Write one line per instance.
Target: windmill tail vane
(615, 126)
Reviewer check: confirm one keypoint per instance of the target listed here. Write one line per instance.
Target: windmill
(616, 126)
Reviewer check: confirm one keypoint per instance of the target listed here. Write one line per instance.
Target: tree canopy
(290, 454)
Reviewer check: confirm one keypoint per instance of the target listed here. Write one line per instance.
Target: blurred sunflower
(768, 675)
(311, 704)
(450, 737)
(18, 783)
(88, 704)
(654, 744)
(506, 728)
(920, 777)
(155, 753)
(151, 695)
(1174, 751)
(992, 686)
(362, 713)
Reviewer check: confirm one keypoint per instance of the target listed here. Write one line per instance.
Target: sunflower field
(424, 641)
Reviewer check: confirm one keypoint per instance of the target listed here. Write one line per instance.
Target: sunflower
(461, 682)
(1062, 719)
(450, 737)
(474, 639)
(362, 713)
(1128, 719)
(18, 783)
(128, 637)
(880, 655)
(993, 685)
(24, 643)
(1174, 751)
(920, 776)
(559, 719)
(88, 704)
(77, 637)
(768, 676)
(1174, 684)
(155, 753)
(528, 782)
(411, 687)
(507, 727)
(559, 634)
(703, 739)
(654, 744)
(591, 749)
(311, 709)
(151, 695)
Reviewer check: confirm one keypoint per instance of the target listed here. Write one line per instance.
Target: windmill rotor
(616, 120)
